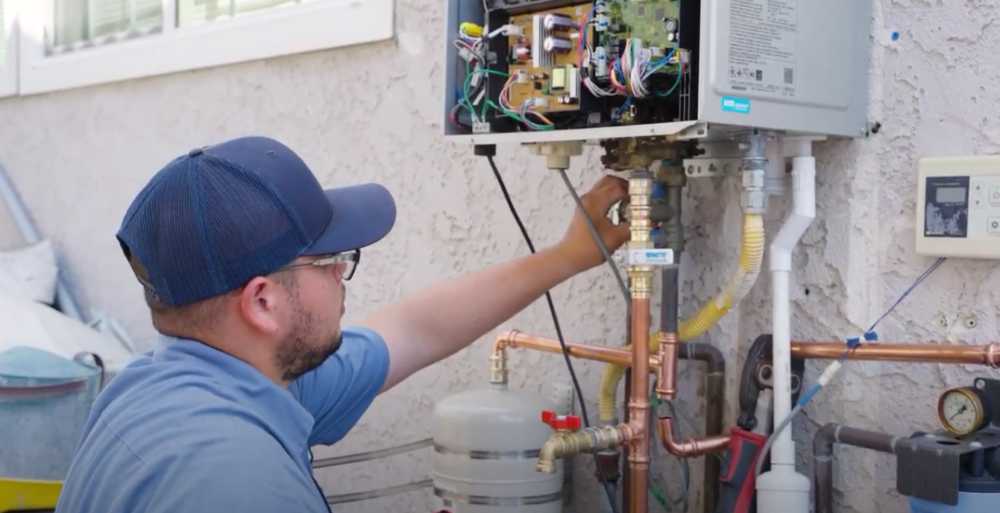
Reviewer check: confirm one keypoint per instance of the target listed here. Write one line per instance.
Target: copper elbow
(691, 447)
(498, 358)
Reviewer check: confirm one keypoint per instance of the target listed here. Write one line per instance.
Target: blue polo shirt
(191, 429)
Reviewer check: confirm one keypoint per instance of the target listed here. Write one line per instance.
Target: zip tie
(869, 336)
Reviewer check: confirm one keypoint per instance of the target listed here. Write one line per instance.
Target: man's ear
(259, 302)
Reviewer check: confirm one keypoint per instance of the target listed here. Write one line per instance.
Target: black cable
(555, 321)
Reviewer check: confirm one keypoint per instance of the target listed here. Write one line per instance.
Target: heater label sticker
(649, 257)
(737, 105)
(763, 46)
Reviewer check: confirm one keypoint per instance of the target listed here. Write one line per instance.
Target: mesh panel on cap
(207, 226)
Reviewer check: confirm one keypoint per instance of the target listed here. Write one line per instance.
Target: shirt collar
(275, 408)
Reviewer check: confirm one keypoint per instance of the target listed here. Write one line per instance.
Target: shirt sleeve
(338, 392)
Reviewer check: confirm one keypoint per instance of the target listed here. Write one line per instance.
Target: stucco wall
(372, 113)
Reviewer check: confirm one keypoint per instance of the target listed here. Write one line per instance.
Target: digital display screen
(951, 195)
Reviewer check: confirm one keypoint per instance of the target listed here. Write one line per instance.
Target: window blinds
(196, 12)
(98, 21)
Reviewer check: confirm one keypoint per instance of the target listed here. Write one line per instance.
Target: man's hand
(578, 245)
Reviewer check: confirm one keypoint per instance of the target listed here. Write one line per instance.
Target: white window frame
(307, 27)
(9, 69)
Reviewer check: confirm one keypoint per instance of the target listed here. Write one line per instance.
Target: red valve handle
(566, 422)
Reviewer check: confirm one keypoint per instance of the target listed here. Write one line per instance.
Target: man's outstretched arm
(437, 322)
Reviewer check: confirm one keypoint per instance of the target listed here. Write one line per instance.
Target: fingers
(612, 184)
(608, 190)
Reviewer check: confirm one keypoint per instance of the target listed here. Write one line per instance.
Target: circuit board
(540, 70)
(655, 22)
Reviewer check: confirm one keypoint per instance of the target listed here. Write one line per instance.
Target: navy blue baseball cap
(213, 219)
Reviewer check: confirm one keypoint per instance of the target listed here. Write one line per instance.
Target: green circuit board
(646, 20)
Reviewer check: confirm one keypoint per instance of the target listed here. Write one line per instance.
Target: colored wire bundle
(627, 75)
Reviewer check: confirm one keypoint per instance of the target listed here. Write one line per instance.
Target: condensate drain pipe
(782, 488)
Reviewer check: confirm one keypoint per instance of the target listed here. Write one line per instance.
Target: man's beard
(302, 351)
(296, 357)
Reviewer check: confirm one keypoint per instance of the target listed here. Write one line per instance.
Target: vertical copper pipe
(666, 388)
(639, 406)
(627, 476)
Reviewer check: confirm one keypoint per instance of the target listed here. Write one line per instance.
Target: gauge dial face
(960, 411)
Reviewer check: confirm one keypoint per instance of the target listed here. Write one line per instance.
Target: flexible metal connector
(563, 444)
(754, 199)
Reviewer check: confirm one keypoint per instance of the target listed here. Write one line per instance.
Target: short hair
(202, 315)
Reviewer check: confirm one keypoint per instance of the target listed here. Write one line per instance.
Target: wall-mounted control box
(958, 207)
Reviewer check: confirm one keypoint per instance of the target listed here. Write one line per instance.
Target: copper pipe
(639, 406)
(914, 353)
(988, 355)
(517, 339)
(666, 387)
(691, 447)
(627, 476)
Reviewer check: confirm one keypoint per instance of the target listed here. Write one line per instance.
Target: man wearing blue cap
(243, 258)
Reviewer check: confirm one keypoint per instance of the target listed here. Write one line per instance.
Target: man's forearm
(441, 320)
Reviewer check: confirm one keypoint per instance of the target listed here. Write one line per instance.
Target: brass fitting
(498, 366)
(629, 153)
(640, 189)
(564, 443)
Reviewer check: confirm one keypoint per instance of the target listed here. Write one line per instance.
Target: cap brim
(362, 215)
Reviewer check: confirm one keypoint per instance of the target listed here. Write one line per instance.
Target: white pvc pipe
(782, 488)
(66, 301)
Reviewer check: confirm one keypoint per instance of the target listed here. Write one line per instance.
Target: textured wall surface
(373, 113)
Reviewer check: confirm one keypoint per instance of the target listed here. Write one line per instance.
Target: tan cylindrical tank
(486, 444)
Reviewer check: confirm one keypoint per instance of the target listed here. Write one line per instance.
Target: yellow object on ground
(27, 495)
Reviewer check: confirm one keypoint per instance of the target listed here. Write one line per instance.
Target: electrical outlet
(562, 396)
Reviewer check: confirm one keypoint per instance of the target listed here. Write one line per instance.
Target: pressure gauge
(964, 410)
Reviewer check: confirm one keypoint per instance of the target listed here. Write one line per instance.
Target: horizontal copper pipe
(691, 447)
(988, 354)
(516, 339)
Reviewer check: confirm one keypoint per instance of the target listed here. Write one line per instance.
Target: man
(243, 258)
